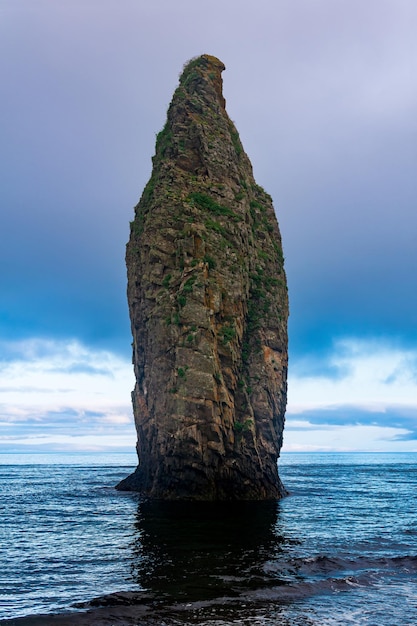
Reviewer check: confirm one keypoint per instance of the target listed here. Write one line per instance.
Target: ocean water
(340, 550)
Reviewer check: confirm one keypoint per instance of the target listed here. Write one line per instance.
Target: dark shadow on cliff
(200, 550)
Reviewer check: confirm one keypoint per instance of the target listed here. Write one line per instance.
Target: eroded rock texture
(208, 305)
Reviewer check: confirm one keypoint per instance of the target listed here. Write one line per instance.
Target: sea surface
(340, 550)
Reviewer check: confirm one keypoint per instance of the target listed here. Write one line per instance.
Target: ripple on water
(340, 550)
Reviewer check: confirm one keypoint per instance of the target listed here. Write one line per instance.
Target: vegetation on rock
(208, 306)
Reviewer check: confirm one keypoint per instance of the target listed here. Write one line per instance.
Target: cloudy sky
(324, 95)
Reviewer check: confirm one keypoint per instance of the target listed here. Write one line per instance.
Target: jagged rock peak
(208, 307)
(205, 68)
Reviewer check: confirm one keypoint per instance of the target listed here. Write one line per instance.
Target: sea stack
(208, 305)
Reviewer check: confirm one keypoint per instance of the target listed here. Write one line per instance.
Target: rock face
(208, 306)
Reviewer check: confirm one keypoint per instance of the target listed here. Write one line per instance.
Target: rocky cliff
(208, 306)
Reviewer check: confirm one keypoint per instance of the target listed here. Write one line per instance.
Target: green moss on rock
(208, 306)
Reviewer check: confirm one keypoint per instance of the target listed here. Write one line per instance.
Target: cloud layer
(325, 99)
(361, 396)
(65, 396)
(62, 395)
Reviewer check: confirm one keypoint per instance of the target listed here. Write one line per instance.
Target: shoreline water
(144, 609)
(125, 608)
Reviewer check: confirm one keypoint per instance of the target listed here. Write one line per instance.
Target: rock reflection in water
(199, 551)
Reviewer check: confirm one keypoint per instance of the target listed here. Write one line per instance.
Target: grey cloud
(83, 368)
(393, 417)
(37, 446)
(67, 421)
(324, 97)
(25, 390)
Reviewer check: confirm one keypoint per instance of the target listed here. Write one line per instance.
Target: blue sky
(324, 95)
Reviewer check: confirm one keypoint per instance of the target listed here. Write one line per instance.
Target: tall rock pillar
(208, 306)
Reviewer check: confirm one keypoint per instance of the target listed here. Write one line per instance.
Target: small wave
(323, 564)
(307, 588)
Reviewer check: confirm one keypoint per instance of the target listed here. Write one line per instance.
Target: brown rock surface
(208, 306)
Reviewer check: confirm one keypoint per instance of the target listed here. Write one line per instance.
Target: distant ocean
(340, 550)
